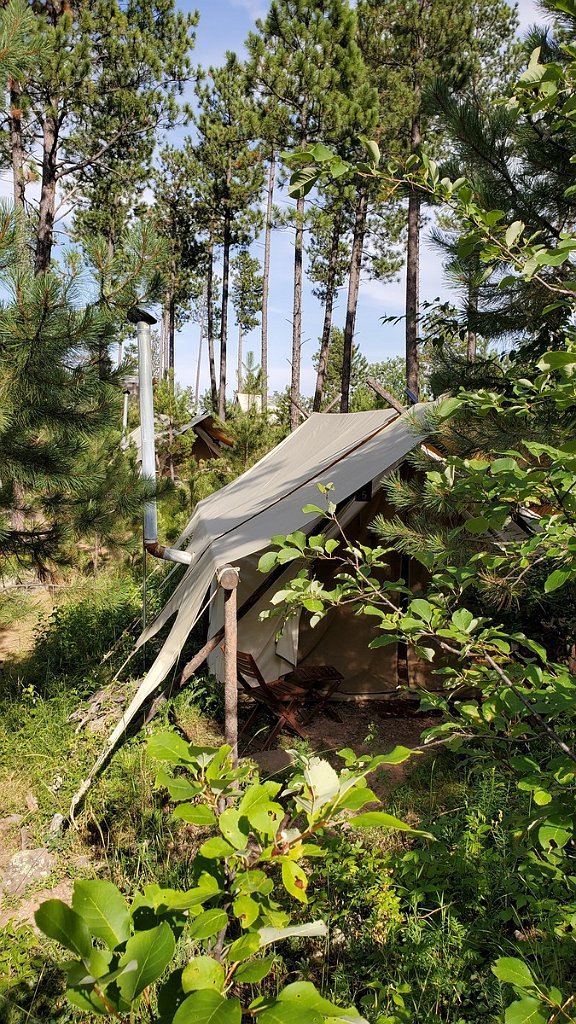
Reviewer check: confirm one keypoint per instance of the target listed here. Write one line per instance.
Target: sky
(224, 25)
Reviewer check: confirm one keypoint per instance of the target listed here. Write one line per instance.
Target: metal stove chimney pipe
(143, 321)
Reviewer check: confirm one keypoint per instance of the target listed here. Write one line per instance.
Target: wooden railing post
(228, 579)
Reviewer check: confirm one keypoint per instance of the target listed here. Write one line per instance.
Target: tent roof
(347, 450)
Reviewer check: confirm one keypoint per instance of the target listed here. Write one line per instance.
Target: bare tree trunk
(224, 318)
(353, 289)
(240, 357)
(413, 277)
(199, 363)
(297, 314)
(327, 328)
(471, 339)
(171, 330)
(16, 144)
(210, 325)
(45, 232)
(266, 280)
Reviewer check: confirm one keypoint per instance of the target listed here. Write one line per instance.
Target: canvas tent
(353, 452)
(211, 441)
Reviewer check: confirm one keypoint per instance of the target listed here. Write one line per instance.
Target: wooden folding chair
(285, 696)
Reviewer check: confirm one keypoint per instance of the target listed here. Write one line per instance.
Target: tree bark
(266, 280)
(297, 314)
(353, 289)
(16, 144)
(239, 357)
(199, 363)
(471, 339)
(413, 275)
(210, 325)
(45, 232)
(171, 330)
(224, 318)
(327, 328)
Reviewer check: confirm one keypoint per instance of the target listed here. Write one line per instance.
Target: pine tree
(246, 299)
(328, 252)
(304, 56)
(411, 44)
(106, 83)
(226, 125)
(175, 217)
(63, 475)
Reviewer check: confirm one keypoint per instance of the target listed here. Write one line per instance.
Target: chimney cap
(137, 315)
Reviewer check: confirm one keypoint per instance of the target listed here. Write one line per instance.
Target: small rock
(272, 761)
(57, 824)
(26, 867)
(10, 822)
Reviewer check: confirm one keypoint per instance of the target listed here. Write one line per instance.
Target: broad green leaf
(214, 849)
(322, 781)
(476, 524)
(267, 561)
(206, 1007)
(208, 923)
(203, 972)
(63, 924)
(104, 909)
(146, 957)
(321, 152)
(245, 909)
(423, 609)
(305, 995)
(396, 756)
(294, 879)
(307, 509)
(372, 149)
(448, 407)
(314, 929)
(196, 814)
(555, 360)
(245, 947)
(87, 1000)
(514, 971)
(526, 1011)
(557, 579)
(254, 970)
(229, 822)
(556, 835)
(379, 819)
(462, 619)
(287, 1013)
(168, 746)
(513, 232)
(178, 787)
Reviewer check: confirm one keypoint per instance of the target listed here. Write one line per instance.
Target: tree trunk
(45, 231)
(224, 319)
(266, 280)
(353, 289)
(471, 338)
(171, 331)
(297, 314)
(327, 328)
(239, 357)
(413, 276)
(199, 363)
(16, 144)
(210, 325)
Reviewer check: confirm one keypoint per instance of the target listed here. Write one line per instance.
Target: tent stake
(228, 578)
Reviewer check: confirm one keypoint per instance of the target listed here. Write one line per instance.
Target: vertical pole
(228, 579)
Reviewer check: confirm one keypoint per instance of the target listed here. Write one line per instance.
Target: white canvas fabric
(348, 451)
